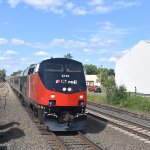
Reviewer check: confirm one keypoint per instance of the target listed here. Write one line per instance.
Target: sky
(94, 32)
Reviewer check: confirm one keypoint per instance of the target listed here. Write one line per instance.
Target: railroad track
(63, 140)
(134, 129)
(121, 111)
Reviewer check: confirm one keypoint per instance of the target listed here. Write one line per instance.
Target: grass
(96, 98)
(133, 102)
(138, 103)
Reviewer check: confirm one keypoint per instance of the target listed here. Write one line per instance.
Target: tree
(110, 85)
(90, 69)
(2, 74)
(68, 56)
(16, 73)
(104, 73)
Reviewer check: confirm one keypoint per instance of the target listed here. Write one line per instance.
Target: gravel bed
(17, 131)
(112, 139)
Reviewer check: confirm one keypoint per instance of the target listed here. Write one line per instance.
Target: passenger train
(55, 89)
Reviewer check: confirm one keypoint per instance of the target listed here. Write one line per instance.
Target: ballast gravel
(110, 138)
(17, 131)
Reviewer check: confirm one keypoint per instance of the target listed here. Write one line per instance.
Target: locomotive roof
(61, 61)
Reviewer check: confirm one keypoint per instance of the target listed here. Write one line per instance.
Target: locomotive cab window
(53, 67)
(73, 68)
(31, 71)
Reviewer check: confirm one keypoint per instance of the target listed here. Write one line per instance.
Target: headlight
(81, 96)
(69, 89)
(52, 96)
(64, 89)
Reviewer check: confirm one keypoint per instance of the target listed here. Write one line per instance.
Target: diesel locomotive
(55, 89)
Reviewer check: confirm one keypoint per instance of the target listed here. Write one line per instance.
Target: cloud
(88, 51)
(10, 52)
(120, 4)
(16, 41)
(80, 11)
(4, 59)
(3, 41)
(24, 59)
(110, 28)
(95, 42)
(41, 53)
(68, 44)
(103, 7)
(102, 60)
(69, 6)
(47, 5)
(112, 59)
(95, 2)
(91, 7)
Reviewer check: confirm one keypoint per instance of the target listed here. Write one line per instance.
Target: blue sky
(94, 31)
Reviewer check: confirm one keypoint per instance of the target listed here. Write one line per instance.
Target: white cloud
(76, 44)
(80, 11)
(91, 7)
(88, 51)
(4, 59)
(87, 60)
(10, 52)
(120, 4)
(48, 5)
(3, 41)
(24, 59)
(95, 42)
(102, 7)
(108, 27)
(112, 59)
(69, 6)
(102, 60)
(16, 41)
(95, 2)
(41, 53)
(68, 44)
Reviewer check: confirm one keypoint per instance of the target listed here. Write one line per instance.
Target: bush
(119, 96)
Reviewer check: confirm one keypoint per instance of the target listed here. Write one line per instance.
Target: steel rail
(120, 125)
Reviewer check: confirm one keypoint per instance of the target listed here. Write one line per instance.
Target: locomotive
(55, 89)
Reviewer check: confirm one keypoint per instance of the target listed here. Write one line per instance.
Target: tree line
(2, 75)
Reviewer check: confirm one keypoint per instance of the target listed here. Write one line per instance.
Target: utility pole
(101, 75)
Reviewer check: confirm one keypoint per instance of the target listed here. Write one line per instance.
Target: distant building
(92, 80)
(133, 69)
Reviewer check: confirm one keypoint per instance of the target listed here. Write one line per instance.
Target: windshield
(54, 67)
(73, 68)
(64, 73)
